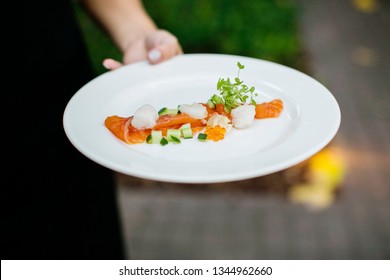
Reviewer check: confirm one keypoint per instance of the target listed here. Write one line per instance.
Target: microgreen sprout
(240, 66)
(233, 94)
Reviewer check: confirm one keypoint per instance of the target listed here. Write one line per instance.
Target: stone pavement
(347, 47)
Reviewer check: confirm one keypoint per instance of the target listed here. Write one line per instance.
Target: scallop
(195, 110)
(243, 116)
(144, 117)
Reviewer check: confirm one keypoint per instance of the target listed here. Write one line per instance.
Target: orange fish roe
(215, 133)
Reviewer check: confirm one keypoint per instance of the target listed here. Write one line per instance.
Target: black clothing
(57, 204)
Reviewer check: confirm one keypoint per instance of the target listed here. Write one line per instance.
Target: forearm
(124, 20)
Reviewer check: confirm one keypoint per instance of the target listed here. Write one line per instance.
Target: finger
(164, 52)
(135, 52)
(162, 45)
(111, 64)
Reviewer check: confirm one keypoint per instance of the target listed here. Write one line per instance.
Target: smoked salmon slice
(121, 126)
(168, 121)
(116, 125)
(270, 109)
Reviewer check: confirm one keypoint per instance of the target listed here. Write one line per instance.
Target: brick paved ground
(348, 51)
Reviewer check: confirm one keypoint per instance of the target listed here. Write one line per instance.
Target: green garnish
(233, 94)
(149, 139)
(175, 139)
(164, 141)
(227, 109)
(202, 137)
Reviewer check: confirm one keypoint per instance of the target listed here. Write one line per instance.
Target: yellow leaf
(315, 197)
(327, 167)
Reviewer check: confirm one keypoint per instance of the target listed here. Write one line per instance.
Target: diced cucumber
(149, 139)
(172, 112)
(173, 132)
(163, 111)
(187, 125)
(186, 132)
(211, 104)
(156, 136)
(202, 137)
(166, 111)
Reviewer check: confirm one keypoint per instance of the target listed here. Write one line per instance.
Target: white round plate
(309, 121)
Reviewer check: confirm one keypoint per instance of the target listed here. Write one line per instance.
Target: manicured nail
(106, 64)
(154, 55)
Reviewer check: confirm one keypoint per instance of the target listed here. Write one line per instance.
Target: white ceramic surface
(309, 121)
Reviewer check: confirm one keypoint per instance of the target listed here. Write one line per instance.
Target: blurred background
(335, 205)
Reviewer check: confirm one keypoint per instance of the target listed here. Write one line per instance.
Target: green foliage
(265, 29)
(99, 45)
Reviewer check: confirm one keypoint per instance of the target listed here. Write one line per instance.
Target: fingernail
(154, 55)
(106, 64)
